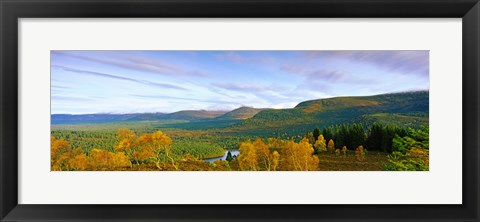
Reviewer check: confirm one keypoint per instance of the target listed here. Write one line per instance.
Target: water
(234, 153)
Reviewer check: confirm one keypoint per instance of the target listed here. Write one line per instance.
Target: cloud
(297, 69)
(269, 93)
(242, 59)
(59, 87)
(328, 75)
(249, 87)
(145, 82)
(132, 62)
(71, 98)
(173, 98)
(402, 61)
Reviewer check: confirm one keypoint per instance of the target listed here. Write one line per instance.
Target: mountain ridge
(305, 111)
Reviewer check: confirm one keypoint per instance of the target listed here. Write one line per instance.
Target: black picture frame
(12, 10)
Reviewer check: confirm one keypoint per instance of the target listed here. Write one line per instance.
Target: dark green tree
(229, 156)
(316, 133)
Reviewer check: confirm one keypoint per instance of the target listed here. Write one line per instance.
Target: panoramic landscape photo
(238, 110)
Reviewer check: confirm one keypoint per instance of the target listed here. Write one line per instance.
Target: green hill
(241, 113)
(405, 109)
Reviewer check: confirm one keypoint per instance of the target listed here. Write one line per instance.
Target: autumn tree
(275, 160)
(104, 160)
(360, 153)
(247, 159)
(60, 152)
(299, 156)
(126, 142)
(145, 149)
(79, 162)
(331, 146)
(162, 147)
(320, 144)
(310, 138)
(263, 154)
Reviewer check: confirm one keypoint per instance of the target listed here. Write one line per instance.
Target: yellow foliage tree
(331, 146)
(145, 149)
(247, 159)
(299, 156)
(126, 142)
(79, 162)
(104, 160)
(360, 153)
(59, 153)
(344, 151)
(275, 160)
(320, 144)
(162, 147)
(263, 154)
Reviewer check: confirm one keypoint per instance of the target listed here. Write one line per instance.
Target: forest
(348, 147)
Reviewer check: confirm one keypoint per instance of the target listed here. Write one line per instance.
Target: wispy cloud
(72, 98)
(137, 63)
(248, 87)
(213, 101)
(59, 87)
(242, 59)
(145, 82)
(402, 61)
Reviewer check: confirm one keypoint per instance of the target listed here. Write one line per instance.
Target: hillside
(406, 109)
(194, 114)
(241, 113)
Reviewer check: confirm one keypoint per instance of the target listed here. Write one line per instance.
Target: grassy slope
(405, 109)
(241, 113)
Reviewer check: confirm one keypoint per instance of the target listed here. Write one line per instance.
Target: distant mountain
(241, 113)
(92, 118)
(194, 114)
(109, 118)
(410, 109)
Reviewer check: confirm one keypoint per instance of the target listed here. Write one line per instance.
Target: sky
(85, 82)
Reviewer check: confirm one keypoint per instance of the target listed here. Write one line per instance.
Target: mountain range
(406, 108)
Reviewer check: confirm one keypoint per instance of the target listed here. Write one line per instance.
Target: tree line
(377, 137)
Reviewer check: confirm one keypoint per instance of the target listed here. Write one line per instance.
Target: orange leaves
(79, 162)
(299, 156)
(160, 138)
(59, 154)
(129, 149)
(155, 147)
(275, 160)
(263, 154)
(360, 153)
(331, 146)
(247, 160)
(104, 160)
(124, 133)
(320, 145)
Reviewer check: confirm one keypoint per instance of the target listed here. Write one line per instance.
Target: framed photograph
(257, 110)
